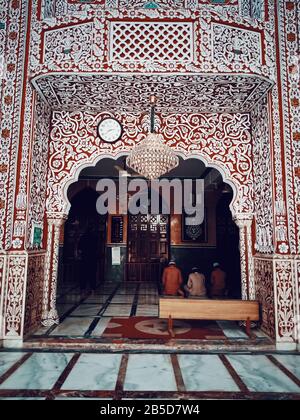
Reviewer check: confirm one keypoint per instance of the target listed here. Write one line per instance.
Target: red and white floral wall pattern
(2, 277)
(252, 38)
(34, 292)
(38, 169)
(264, 284)
(14, 295)
(223, 140)
(263, 189)
(289, 23)
(81, 40)
(285, 299)
(13, 14)
(54, 8)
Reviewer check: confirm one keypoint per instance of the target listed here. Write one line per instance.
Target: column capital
(56, 219)
(243, 219)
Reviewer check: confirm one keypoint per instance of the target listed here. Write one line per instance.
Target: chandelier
(152, 158)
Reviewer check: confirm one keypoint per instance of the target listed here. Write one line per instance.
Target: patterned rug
(155, 328)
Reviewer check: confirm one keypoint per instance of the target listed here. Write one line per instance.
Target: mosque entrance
(119, 298)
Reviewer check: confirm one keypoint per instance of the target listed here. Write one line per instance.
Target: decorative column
(284, 110)
(244, 222)
(50, 316)
(287, 324)
(2, 277)
(14, 299)
(297, 272)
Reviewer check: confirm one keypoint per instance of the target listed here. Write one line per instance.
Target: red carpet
(155, 328)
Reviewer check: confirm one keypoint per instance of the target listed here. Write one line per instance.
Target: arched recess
(55, 218)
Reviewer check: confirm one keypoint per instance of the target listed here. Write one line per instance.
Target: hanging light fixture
(152, 158)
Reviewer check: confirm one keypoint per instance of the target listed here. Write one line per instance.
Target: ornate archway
(74, 146)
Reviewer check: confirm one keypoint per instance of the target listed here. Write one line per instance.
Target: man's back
(218, 282)
(196, 284)
(172, 280)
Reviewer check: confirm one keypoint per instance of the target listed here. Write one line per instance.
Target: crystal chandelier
(152, 158)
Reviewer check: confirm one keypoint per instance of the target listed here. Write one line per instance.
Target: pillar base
(286, 346)
(51, 318)
(50, 322)
(13, 343)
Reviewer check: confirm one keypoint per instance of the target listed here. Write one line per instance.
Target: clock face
(110, 130)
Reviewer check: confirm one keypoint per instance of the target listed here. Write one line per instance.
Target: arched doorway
(116, 294)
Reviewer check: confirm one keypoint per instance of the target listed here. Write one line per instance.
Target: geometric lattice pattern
(151, 41)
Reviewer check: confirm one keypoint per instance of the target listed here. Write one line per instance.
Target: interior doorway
(227, 246)
(148, 247)
(84, 246)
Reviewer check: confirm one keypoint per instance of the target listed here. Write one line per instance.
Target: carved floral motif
(2, 288)
(34, 292)
(220, 139)
(264, 285)
(285, 300)
(263, 192)
(14, 299)
(131, 93)
(231, 44)
(76, 144)
(39, 168)
(72, 43)
(67, 47)
(13, 17)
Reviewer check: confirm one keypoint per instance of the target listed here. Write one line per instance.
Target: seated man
(196, 284)
(172, 280)
(218, 282)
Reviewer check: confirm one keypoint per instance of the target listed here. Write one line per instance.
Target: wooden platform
(204, 309)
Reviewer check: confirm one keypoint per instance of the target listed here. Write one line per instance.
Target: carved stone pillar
(286, 302)
(14, 298)
(244, 222)
(2, 284)
(297, 280)
(50, 316)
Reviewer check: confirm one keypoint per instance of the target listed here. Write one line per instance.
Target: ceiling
(185, 93)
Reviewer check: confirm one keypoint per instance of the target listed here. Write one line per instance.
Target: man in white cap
(196, 284)
(172, 280)
(218, 282)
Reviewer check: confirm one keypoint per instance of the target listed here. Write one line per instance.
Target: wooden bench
(218, 310)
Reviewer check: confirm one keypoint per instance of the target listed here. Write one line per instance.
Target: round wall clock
(110, 130)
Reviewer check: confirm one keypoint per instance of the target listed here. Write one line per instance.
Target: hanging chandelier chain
(152, 158)
(152, 119)
(153, 101)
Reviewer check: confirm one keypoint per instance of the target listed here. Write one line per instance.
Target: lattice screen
(152, 41)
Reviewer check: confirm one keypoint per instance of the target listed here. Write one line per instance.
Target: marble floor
(86, 315)
(61, 375)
